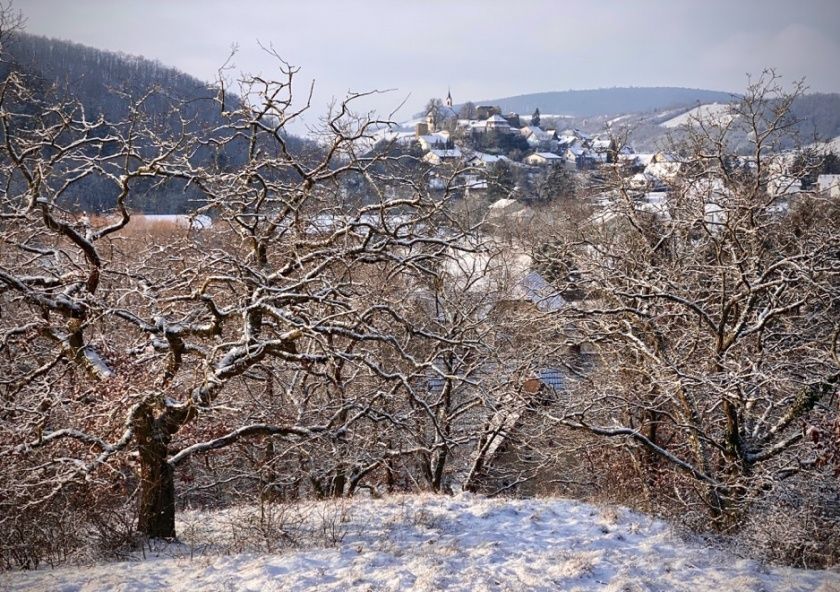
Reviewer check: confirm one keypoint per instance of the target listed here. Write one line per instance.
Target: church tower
(449, 98)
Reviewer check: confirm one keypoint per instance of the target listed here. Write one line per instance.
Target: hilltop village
(529, 160)
(509, 163)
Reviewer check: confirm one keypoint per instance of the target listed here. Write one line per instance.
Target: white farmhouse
(535, 136)
(543, 158)
(497, 123)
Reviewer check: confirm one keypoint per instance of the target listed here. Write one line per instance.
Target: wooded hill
(106, 84)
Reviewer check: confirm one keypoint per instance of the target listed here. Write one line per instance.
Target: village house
(566, 139)
(637, 161)
(437, 157)
(577, 156)
(438, 140)
(497, 123)
(482, 159)
(663, 167)
(536, 137)
(782, 185)
(543, 159)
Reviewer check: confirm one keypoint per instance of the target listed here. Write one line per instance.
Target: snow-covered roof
(534, 130)
(536, 289)
(663, 169)
(502, 204)
(574, 133)
(432, 140)
(641, 181)
(497, 119)
(554, 378)
(448, 112)
(485, 158)
(610, 206)
(451, 153)
(474, 182)
(548, 155)
(780, 185)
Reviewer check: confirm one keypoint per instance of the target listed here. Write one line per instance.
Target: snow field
(427, 543)
(708, 112)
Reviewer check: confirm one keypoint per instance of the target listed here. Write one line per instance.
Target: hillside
(428, 543)
(608, 101)
(652, 113)
(818, 115)
(106, 84)
(817, 118)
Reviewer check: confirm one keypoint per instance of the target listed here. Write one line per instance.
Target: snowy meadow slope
(428, 543)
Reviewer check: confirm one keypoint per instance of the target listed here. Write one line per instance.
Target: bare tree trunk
(157, 491)
(156, 512)
(339, 482)
(438, 471)
(269, 491)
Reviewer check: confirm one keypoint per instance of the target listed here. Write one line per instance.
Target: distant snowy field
(429, 543)
(199, 222)
(707, 112)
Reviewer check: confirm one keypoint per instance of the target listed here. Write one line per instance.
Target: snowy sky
(480, 49)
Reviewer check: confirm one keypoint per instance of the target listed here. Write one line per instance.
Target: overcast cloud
(479, 49)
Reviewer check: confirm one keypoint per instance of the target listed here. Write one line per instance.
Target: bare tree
(11, 22)
(467, 111)
(127, 348)
(711, 314)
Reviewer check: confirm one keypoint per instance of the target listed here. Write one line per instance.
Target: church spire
(449, 98)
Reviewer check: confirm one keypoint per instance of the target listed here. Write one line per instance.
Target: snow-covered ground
(709, 112)
(199, 222)
(829, 146)
(429, 543)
